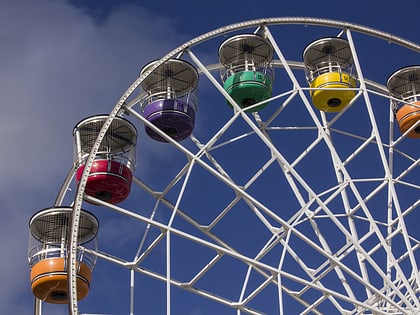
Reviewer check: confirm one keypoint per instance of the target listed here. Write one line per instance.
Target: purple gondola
(168, 99)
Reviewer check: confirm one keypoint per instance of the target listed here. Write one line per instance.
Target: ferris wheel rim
(187, 45)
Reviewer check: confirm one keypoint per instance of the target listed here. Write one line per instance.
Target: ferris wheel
(282, 179)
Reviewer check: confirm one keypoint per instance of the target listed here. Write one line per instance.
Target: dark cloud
(58, 65)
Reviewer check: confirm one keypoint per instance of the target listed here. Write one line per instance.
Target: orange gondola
(49, 236)
(404, 86)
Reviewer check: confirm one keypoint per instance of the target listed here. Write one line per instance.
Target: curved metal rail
(72, 270)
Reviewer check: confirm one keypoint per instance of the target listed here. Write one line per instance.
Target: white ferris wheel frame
(272, 274)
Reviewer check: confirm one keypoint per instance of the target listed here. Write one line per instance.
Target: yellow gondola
(329, 73)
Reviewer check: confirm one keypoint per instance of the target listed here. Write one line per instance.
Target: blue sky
(64, 60)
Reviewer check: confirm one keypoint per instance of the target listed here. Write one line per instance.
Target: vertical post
(389, 264)
(131, 291)
(37, 306)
